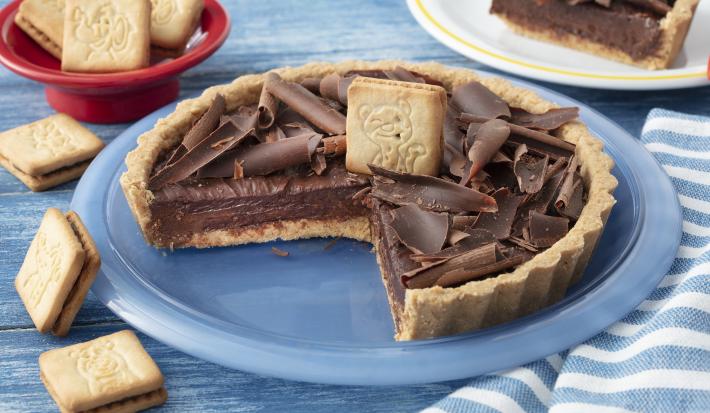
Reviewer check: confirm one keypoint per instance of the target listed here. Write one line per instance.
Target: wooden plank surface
(265, 34)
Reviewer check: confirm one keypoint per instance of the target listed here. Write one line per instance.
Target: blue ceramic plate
(321, 314)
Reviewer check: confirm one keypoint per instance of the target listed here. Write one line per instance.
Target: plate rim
(383, 365)
(688, 78)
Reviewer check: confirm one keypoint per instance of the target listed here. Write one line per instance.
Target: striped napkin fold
(657, 358)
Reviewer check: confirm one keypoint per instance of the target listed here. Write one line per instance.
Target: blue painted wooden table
(265, 34)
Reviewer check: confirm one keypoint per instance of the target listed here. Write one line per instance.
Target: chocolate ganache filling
(508, 187)
(632, 26)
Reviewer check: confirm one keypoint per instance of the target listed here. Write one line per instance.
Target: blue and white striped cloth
(656, 359)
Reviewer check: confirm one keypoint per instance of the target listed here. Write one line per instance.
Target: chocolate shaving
(551, 145)
(264, 158)
(428, 192)
(421, 231)
(500, 157)
(499, 223)
(455, 236)
(556, 167)
(545, 230)
(308, 105)
(657, 6)
(273, 134)
(428, 275)
(296, 129)
(539, 202)
(476, 238)
(403, 75)
(334, 145)
(268, 106)
(454, 161)
(501, 175)
(478, 100)
(243, 121)
(361, 193)
(329, 87)
(318, 163)
(312, 84)
(567, 188)
(529, 170)
(522, 243)
(462, 275)
(462, 222)
(552, 119)
(288, 116)
(207, 123)
(377, 74)
(489, 138)
(227, 136)
(570, 205)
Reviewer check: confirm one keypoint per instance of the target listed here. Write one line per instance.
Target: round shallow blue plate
(321, 314)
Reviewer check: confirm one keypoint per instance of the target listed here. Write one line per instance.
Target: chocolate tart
(206, 209)
(644, 33)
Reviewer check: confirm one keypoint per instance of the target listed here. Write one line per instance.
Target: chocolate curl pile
(306, 104)
(528, 167)
(224, 138)
(543, 142)
(264, 158)
(203, 127)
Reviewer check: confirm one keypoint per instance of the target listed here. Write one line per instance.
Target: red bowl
(110, 97)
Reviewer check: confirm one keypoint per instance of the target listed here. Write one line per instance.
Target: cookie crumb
(330, 244)
(279, 252)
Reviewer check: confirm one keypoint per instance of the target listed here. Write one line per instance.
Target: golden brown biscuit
(43, 21)
(172, 23)
(51, 267)
(104, 36)
(59, 268)
(112, 373)
(48, 152)
(396, 125)
(92, 262)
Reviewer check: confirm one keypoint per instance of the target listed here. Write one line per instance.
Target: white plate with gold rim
(468, 28)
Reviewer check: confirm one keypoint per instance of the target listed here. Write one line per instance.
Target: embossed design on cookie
(389, 127)
(55, 4)
(104, 31)
(46, 255)
(49, 138)
(162, 11)
(102, 367)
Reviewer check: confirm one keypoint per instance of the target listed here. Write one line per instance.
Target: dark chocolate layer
(393, 256)
(621, 26)
(180, 210)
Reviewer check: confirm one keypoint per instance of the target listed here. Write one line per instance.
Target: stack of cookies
(102, 36)
(109, 374)
(113, 373)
